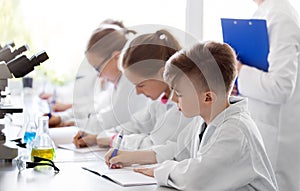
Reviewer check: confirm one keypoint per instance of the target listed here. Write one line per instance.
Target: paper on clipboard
(249, 38)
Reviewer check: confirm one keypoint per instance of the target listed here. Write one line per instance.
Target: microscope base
(8, 153)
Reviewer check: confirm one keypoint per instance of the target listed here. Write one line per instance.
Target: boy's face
(151, 88)
(189, 101)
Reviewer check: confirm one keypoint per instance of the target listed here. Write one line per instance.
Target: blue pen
(117, 146)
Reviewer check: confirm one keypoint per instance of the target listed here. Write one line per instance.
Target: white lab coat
(274, 97)
(121, 103)
(86, 85)
(179, 149)
(157, 124)
(231, 156)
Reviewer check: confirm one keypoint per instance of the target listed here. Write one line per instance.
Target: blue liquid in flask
(29, 136)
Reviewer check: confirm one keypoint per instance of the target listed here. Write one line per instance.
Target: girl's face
(150, 87)
(107, 67)
(189, 101)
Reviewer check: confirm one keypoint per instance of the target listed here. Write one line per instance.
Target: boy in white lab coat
(224, 151)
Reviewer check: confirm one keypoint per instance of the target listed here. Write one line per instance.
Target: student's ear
(210, 97)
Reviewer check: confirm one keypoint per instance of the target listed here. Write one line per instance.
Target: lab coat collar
(237, 105)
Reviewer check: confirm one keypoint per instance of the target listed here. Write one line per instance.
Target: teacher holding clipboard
(274, 95)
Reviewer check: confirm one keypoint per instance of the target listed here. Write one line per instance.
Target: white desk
(71, 177)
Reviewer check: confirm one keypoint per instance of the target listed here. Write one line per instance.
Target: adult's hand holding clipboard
(249, 38)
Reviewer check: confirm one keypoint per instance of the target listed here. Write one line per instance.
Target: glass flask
(30, 130)
(43, 145)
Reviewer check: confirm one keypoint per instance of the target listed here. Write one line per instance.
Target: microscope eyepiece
(7, 53)
(39, 58)
(21, 66)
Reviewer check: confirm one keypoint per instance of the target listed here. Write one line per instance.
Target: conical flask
(43, 145)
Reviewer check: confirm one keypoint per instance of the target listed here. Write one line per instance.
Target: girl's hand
(54, 120)
(66, 124)
(83, 139)
(103, 142)
(122, 159)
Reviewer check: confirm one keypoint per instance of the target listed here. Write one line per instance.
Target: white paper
(125, 176)
(63, 135)
(72, 147)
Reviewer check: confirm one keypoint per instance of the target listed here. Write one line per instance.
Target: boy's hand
(145, 171)
(123, 158)
(103, 142)
(83, 139)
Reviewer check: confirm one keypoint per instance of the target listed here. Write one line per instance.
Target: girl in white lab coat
(102, 54)
(143, 62)
(274, 96)
(224, 151)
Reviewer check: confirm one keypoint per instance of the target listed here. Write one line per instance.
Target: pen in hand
(116, 148)
(78, 139)
(82, 135)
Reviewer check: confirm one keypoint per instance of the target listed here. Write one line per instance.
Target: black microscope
(13, 64)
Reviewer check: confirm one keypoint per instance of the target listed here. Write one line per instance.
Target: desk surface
(71, 177)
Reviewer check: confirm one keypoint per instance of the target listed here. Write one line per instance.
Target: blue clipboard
(249, 38)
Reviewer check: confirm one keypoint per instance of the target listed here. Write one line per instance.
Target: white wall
(62, 28)
(203, 16)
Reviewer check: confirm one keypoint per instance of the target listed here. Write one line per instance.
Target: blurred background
(62, 27)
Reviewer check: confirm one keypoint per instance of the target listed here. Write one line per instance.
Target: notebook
(124, 177)
(249, 38)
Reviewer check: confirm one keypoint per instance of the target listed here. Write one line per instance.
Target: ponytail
(149, 52)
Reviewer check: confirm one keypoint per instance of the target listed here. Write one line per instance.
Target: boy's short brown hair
(210, 66)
